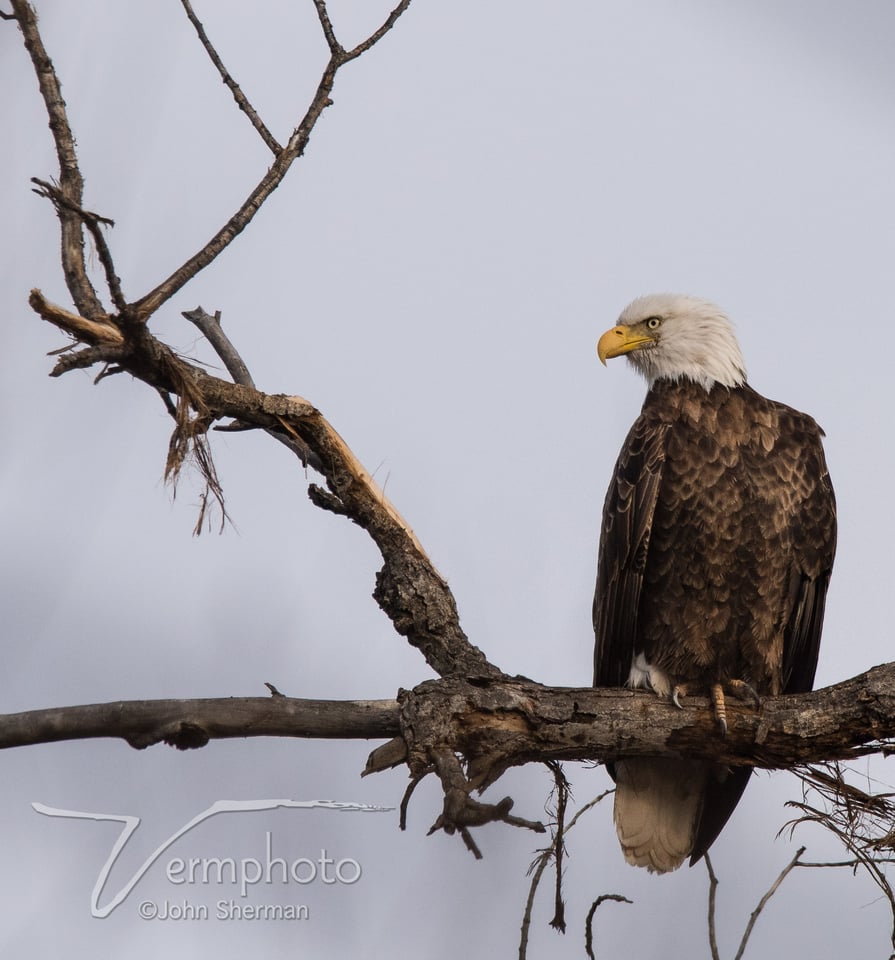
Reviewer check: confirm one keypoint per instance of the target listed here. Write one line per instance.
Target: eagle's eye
(653, 323)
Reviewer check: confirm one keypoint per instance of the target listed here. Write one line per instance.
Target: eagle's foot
(738, 688)
(744, 691)
(720, 707)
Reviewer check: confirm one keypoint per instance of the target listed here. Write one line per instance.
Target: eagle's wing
(624, 542)
(815, 542)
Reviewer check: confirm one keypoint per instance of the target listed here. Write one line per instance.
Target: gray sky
(493, 184)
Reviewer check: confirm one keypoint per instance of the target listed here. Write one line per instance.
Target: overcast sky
(492, 185)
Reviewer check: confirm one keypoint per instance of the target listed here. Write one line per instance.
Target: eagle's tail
(658, 804)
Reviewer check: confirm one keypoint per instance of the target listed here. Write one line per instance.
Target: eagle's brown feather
(716, 549)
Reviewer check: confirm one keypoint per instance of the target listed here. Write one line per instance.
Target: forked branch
(284, 158)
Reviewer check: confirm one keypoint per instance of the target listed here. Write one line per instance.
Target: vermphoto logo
(239, 875)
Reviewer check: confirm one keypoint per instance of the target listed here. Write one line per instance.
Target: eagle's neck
(684, 388)
(687, 400)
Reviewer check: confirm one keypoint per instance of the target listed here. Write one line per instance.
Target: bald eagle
(718, 535)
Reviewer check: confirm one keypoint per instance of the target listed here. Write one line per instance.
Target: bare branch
(496, 723)
(98, 331)
(713, 890)
(784, 873)
(147, 305)
(375, 37)
(538, 868)
(851, 864)
(71, 184)
(211, 328)
(409, 588)
(94, 223)
(861, 821)
(540, 864)
(335, 48)
(460, 811)
(589, 922)
(500, 723)
(192, 723)
(294, 148)
(408, 793)
(240, 98)
(214, 333)
(561, 787)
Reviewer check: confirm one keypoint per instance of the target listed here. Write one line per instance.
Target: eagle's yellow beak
(617, 341)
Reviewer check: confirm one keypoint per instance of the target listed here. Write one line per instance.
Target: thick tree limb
(498, 723)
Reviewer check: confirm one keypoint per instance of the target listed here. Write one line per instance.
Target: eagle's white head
(672, 336)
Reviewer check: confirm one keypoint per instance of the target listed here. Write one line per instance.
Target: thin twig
(294, 148)
(784, 873)
(843, 863)
(589, 922)
(335, 48)
(861, 821)
(540, 865)
(538, 869)
(240, 98)
(562, 793)
(713, 889)
(408, 793)
(375, 37)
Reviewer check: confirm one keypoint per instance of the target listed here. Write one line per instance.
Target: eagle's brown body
(716, 549)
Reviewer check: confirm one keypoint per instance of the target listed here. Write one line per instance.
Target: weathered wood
(192, 723)
(499, 723)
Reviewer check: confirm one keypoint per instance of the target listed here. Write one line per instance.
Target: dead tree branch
(713, 897)
(497, 723)
(863, 822)
(589, 921)
(192, 723)
(409, 588)
(284, 158)
(505, 722)
(71, 183)
(241, 100)
(538, 867)
(756, 913)
(214, 333)
(94, 223)
(474, 723)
